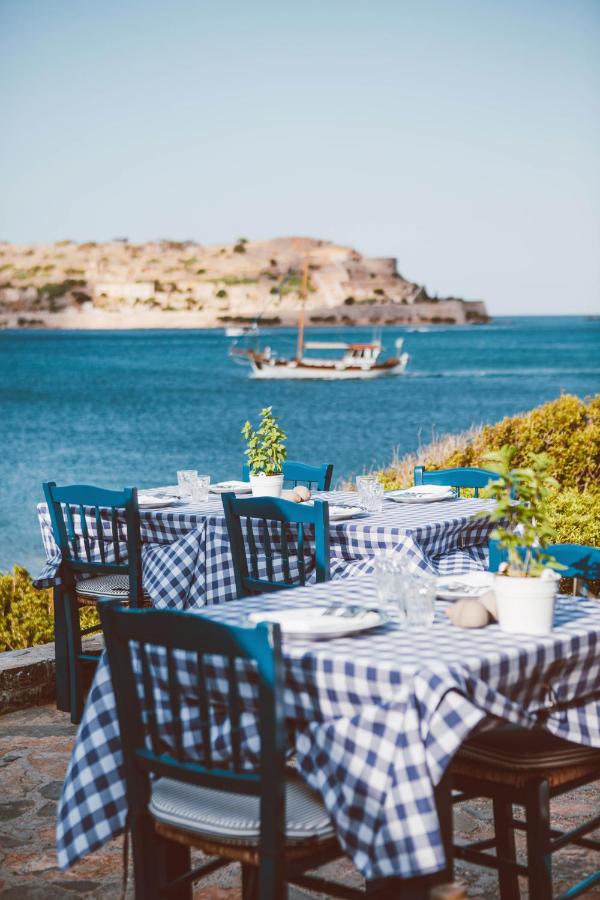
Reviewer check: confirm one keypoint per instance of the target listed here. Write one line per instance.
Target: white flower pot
(526, 605)
(266, 485)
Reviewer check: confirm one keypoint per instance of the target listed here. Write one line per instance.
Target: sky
(461, 136)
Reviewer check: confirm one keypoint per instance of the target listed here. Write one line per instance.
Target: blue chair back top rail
(279, 547)
(461, 477)
(140, 699)
(317, 478)
(97, 552)
(581, 563)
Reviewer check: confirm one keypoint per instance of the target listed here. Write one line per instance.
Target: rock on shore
(172, 284)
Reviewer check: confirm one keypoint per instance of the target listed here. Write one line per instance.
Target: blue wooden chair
(316, 478)
(528, 767)
(269, 820)
(461, 477)
(93, 551)
(276, 547)
(581, 563)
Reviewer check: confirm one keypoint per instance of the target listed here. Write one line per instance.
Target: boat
(358, 360)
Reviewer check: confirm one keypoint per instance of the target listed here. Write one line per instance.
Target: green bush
(568, 429)
(26, 613)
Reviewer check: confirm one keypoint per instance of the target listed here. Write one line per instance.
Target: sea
(125, 408)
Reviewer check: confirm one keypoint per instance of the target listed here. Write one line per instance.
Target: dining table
(186, 557)
(374, 720)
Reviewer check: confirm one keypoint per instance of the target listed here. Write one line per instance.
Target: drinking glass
(420, 600)
(373, 497)
(390, 579)
(362, 483)
(199, 488)
(184, 479)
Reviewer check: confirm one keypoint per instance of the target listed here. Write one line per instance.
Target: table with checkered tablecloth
(187, 563)
(374, 719)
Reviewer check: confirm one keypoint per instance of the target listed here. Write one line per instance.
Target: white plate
(339, 512)
(422, 493)
(238, 487)
(473, 584)
(314, 623)
(150, 500)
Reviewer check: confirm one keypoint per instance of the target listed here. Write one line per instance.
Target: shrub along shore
(567, 428)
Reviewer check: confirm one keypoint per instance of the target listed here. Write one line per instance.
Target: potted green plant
(526, 584)
(266, 451)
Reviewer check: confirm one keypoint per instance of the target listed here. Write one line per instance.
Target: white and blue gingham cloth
(187, 563)
(374, 719)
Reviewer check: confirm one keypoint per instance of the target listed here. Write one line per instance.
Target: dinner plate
(339, 511)
(472, 584)
(314, 623)
(238, 487)
(151, 500)
(422, 493)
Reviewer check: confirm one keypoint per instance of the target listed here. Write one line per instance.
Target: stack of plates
(422, 493)
(156, 499)
(238, 487)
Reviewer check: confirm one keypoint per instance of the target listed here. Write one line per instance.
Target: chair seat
(510, 754)
(232, 818)
(113, 586)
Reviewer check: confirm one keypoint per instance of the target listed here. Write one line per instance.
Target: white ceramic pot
(525, 605)
(266, 485)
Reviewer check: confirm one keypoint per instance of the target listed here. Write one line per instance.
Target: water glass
(362, 482)
(419, 600)
(390, 579)
(185, 477)
(373, 497)
(199, 488)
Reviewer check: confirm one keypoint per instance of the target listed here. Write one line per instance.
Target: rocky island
(182, 284)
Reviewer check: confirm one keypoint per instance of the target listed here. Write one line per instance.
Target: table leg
(61, 658)
(418, 888)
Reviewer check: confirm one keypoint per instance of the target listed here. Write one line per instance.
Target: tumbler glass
(184, 480)
(199, 488)
(420, 600)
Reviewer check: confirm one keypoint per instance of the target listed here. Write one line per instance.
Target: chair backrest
(461, 477)
(317, 478)
(580, 562)
(275, 542)
(87, 524)
(149, 682)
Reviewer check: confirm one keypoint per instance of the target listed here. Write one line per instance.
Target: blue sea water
(130, 408)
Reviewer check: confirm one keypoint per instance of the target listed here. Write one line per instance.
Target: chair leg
(249, 882)
(146, 858)
(176, 861)
(61, 652)
(539, 857)
(505, 847)
(73, 629)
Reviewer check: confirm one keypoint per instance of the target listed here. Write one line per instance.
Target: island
(183, 284)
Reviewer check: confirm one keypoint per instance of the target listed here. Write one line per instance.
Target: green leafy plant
(522, 509)
(265, 446)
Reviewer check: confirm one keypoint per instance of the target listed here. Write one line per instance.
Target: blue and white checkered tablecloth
(374, 719)
(187, 562)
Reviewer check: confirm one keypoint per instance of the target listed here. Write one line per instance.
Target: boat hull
(327, 373)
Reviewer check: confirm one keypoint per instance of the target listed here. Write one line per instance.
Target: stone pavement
(34, 749)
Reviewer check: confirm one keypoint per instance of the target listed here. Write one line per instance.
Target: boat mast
(303, 294)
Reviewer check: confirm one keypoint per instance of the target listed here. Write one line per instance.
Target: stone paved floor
(34, 750)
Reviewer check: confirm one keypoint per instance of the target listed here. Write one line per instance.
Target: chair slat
(285, 554)
(268, 549)
(149, 707)
(234, 716)
(85, 534)
(115, 533)
(175, 705)
(301, 566)
(204, 712)
(70, 526)
(252, 546)
(100, 532)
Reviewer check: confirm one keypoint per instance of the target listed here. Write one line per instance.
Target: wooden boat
(359, 360)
